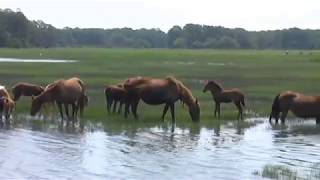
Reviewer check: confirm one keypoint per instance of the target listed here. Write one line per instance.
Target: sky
(163, 14)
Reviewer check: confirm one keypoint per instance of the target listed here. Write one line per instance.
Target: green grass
(260, 74)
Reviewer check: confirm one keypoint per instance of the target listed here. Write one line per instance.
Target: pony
(303, 106)
(221, 95)
(63, 92)
(113, 95)
(7, 104)
(25, 89)
(160, 91)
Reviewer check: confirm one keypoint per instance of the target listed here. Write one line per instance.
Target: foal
(221, 95)
(26, 89)
(115, 94)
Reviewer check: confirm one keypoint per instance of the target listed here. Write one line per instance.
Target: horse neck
(215, 91)
(46, 96)
(186, 96)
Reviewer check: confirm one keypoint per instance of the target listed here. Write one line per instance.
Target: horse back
(67, 90)
(27, 89)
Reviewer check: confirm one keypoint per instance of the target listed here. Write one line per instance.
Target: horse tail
(83, 86)
(83, 101)
(275, 107)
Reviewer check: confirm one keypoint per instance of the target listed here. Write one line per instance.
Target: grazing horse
(115, 94)
(26, 89)
(300, 105)
(221, 95)
(63, 92)
(7, 104)
(160, 91)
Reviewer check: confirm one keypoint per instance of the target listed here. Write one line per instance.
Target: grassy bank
(260, 74)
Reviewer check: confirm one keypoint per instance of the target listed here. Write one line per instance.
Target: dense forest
(19, 32)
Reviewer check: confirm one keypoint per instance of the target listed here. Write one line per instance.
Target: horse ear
(32, 97)
(197, 102)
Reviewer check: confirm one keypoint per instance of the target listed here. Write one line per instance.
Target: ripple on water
(230, 151)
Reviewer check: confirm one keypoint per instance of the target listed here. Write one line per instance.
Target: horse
(115, 94)
(7, 104)
(159, 91)
(303, 106)
(26, 89)
(63, 92)
(221, 95)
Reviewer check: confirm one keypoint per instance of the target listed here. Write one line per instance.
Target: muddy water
(229, 150)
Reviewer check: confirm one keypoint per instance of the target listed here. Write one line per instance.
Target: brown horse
(63, 92)
(160, 91)
(7, 104)
(26, 89)
(221, 95)
(299, 104)
(115, 94)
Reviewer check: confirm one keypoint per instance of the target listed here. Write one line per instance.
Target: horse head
(194, 110)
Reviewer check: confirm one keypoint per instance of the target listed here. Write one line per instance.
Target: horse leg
(283, 116)
(74, 112)
(60, 110)
(126, 109)
(172, 108)
(239, 107)
(318, 120)
(218, 109)
(166, 107)
(109, 104)
(66, 108)
(114, 106)
(215, 109)
(134, 108)
(120, 107)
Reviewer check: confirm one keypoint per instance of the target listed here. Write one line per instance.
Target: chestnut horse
(300, 105)
(26, 89)
(115, 94)
(221, 95)
(160, 91)
(63, 92)
(7, 103)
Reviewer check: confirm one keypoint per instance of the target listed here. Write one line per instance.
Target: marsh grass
(260, 74)
(282, 172)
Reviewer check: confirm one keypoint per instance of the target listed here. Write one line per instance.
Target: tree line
(19, 32)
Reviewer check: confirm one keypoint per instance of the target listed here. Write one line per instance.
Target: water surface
(14, 60)
(122, 150)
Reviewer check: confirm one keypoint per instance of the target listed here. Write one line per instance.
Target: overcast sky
(163, 14)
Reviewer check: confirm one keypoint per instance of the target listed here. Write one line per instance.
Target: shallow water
(36, 60)
(232, 150)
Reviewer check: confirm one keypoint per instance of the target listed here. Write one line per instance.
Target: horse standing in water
(160, 91)
(300, 105)
(221, 95)
(115, 94)
(26, 89)
(7, 104)
(63, 92)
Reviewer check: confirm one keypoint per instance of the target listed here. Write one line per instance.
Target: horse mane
(218, 85)
(185, 92)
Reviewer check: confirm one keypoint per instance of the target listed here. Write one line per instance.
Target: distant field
(260, 74)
